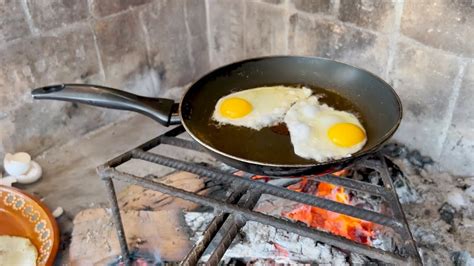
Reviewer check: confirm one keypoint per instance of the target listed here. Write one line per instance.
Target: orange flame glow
(339, 224)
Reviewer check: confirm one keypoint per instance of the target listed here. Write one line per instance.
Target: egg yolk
(346, 134)
(235, 108)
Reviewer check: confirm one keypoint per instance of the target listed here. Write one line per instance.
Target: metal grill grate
(244, 193)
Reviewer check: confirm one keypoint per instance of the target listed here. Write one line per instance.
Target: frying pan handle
(162, 110)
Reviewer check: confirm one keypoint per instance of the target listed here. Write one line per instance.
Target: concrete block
(100, 8)
(165, 23)
(37, 126)
(122, 47)
(276, 2)
(448, 25)
(40, 61)
(424, 79)
(374, 15)
(327, 38)
(51, 14)
(226, 30)
(26, 64)
(195, 14)
(360, 48)
(458, 151)
(312, 6)
(307, 37)
(12, 21)
(265, 30)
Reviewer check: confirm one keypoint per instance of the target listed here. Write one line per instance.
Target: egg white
(308, 122)
(269, 105)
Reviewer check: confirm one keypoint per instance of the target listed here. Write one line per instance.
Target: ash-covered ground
(438, 207)
(441, 213)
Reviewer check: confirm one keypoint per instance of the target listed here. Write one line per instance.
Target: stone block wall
(422, 47)
(136, 45)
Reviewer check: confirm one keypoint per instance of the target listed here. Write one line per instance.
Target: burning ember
(352, 228)
(281, 250)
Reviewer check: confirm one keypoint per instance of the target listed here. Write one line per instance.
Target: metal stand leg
(117, 220)
(409, 245)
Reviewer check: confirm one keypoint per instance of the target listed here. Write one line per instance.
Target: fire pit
(328, 210)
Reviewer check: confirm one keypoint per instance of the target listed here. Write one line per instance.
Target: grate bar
(211, 230)
(352, 184)
(183, 143)
(232, 226)
(228, 231)
(409, 244)
(279, 223)
(371, 164)
(117, 220)
(145, 147)
(273, 190)
(387, 182)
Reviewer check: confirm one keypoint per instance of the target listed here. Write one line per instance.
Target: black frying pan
(267, 151)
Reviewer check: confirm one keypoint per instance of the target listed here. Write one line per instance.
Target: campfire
(343, 225)
(284, 219)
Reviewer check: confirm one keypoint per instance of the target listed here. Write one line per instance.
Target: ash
(438, 208)
(258, 242)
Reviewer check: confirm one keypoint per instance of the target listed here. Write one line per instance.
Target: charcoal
(357, 176)
(427, 160)
(425, 238)
(416, 159)
(447, 213)
(374, 178)
(398, 183)
(405, 191)
(395, 150)
(233, 262)
(140, 258)
(395, 171)
(462, 258)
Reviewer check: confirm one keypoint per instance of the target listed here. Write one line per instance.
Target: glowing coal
(339, 224)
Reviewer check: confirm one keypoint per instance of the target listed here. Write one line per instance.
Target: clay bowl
(26, 216)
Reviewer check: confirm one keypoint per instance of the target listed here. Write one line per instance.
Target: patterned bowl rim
(45, 209)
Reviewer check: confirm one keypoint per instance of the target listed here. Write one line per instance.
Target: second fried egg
(258, 108)
(321, 133)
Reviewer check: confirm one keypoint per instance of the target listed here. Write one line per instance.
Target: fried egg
(321, 133)
(258, 108)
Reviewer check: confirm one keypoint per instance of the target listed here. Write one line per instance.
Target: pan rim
(356, 155)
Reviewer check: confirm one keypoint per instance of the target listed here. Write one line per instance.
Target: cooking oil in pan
(272, 144)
